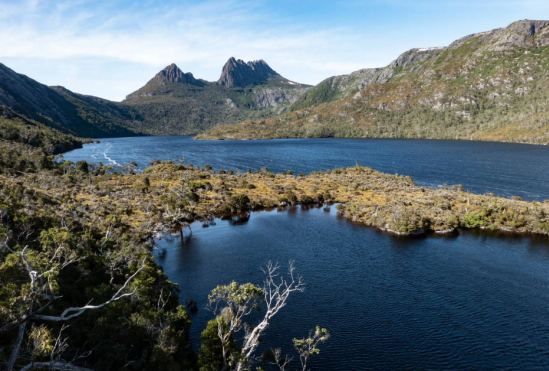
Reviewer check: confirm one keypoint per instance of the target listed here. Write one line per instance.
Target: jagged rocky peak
(172, 75)
(238, 73)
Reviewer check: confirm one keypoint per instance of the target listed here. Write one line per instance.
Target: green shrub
(473, 219)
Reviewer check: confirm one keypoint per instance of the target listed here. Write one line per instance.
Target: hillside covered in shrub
(487, 86)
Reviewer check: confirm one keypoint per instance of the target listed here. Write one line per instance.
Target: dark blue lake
(506, 169)
(472, 301)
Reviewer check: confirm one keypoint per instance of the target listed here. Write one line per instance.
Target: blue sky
(111, 48)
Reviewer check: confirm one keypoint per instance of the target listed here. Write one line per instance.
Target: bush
(473, 220)
(238, 202)
(82, 166)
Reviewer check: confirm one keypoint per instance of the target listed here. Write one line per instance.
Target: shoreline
(196, 137)
(423, 233)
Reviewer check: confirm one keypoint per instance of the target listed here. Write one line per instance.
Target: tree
(306, 347)
(40, 289)
(212, 351)
(233, 302)
(82, 166)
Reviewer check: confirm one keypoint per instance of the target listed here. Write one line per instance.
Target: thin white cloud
(203, 35)
(198, 36)
(191, 34)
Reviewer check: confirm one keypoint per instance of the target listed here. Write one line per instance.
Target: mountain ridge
(171, 103)
(237, 73)
(59, 108)
(491, 85)
(175, 104)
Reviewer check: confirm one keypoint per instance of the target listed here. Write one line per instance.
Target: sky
(110, 48)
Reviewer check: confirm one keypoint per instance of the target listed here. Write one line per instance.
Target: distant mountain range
(489, 86)
(175, 103)
(171, 103)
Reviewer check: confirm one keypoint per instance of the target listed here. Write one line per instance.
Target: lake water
(503, 168)
(472, 301)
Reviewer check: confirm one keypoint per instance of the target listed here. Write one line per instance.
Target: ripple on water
(506, 169)
(475, 301)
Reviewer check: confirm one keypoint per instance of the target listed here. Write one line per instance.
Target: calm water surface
(466, 302)
(503, 168)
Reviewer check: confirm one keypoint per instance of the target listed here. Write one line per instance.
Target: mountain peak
(236, 72)
(172, 75)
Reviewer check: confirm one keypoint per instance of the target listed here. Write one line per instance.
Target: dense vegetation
(26, 145)
(185, 109)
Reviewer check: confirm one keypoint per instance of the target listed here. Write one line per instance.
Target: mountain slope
(28, 146)
(61, 109)
(491, 86)
(175, 103)
(340, 87)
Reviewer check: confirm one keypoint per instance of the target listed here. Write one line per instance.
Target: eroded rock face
(237, 73)
(518, 34)
(344, 86)
(277, 96)
(521, 34)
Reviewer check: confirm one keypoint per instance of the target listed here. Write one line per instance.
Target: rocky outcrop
(343, 86)
(237, 73)
(521, 34)
(276, 97)
(173, 75)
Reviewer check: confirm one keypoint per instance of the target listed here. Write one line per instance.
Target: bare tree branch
(241, 300)
(277, 289)
(62, 366)
(76, 311)
(16, 346)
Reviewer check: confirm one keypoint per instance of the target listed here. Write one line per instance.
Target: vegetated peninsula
(486, 86)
